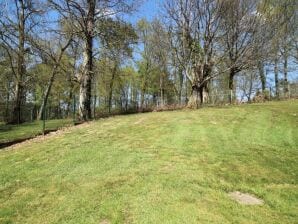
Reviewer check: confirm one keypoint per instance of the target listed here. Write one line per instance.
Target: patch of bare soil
(52, 134)
(245, 199)
(104, 221)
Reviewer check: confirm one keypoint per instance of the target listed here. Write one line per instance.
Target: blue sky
(148, 10)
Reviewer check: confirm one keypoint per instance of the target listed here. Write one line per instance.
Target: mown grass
(168, 167)
(9, 133)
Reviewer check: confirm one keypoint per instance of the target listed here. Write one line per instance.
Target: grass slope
(169, 167)
(10, 133)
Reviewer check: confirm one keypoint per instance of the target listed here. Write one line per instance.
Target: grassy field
(10, 133)
(168, 167)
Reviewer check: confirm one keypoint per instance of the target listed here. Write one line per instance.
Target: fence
(62, 114)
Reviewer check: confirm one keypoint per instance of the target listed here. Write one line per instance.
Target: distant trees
(18, 19)
(117, 40)
(152, 67)
(207, 34)
(60, 56)
(212, 38)
(281, 18)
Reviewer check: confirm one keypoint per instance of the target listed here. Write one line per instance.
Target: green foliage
(117, 36)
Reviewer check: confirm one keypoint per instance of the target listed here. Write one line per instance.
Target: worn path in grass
(172, 167)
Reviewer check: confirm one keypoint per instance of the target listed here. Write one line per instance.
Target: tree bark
(262, 75)
(161, 90)
(7, 115)
(94, 105)
(180, 85)
(199, 96)
(250, 88)
(17, 109)
(285, 70)
(142, 99)
(111, 89)
(231, 83)
(21, 69)
(47, 93)
(86, 76)
(70, 99)
(276, 77)
(85, 98)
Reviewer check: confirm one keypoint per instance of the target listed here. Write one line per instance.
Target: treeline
(62, 56)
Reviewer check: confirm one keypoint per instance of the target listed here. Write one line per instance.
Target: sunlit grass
(168, 167)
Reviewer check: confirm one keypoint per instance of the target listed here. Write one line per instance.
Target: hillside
(166, 167)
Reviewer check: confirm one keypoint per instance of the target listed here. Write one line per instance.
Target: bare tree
(194, 26)
(241, 24)
(84, 15)
(54, 56)
(17, 20)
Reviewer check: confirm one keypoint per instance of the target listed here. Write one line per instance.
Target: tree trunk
(111, 89)
(69, 102)
(250, 88)
(155, 99)
(47, 93)
(21, 69)
(17, 115)
(86, 76)
(285, 70)
(59, 112)
(199, 96)
(276, 77)
(231, 83)
(85, 98)
(131, 100)
(262, 75)
(142, 99)
(161, 90)
(186, 90)
(194, 98)
(94, 105)
(180, 86)
(70, 96)
(7, 114)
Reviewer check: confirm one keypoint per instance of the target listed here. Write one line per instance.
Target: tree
(241, 23)
(18, 19)
(194, 25)
(54, 58)
(117, 38)
(281, 18)
(84, 15)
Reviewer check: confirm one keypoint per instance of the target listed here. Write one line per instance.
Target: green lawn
(168, 167)
(10, 133)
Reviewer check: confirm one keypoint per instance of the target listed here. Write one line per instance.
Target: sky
(148, 9)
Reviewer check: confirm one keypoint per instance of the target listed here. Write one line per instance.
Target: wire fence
(63, 114)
